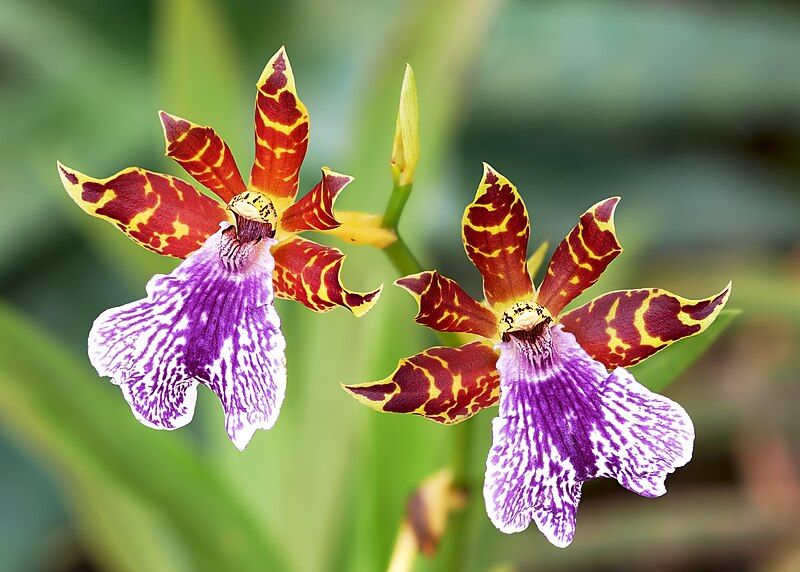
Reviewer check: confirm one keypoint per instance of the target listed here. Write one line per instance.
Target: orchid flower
(212, 320)
(569, 411)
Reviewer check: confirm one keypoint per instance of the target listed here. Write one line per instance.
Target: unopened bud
(405, 149)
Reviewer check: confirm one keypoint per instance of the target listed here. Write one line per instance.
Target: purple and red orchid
(569, 411)
(212, 320)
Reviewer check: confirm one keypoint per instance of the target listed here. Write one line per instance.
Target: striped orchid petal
(446, 385)
(310, 273)
(581, 257)
(315, 210)
(495, 231)
(160, 212)
(445, 307)
(203, 154)
(281, 133)
(622, 328)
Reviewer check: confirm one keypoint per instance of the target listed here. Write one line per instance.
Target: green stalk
(453, 549)
(398, 252)
(402, 258)
(406, 263)
(397, 202)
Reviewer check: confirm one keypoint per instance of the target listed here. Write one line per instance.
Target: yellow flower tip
(69, 177)
(278, 64)
(359, 311)
(328, 172)
(405, 148)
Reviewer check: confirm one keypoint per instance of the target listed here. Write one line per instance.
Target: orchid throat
(529, 322)
(255, 215)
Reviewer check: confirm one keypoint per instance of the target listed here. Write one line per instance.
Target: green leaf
(82, 424)
(663, 368)
(122, 533)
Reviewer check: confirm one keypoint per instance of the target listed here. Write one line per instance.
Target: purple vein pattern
(563, 420)
(210, 321)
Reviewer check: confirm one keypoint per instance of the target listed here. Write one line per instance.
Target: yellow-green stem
(406, 263)
(395, 206)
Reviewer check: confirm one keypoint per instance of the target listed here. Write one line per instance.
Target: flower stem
(402, 258)
(454, 547)
(406, 263)
(397, 202)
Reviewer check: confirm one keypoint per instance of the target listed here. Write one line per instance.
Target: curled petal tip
(605, 210)
(171, 126)
(488, 169)
(310, 273)
(68, 176)
(315, 210)
(370, 299)
(582, 257)
(328, 172)
(623, 328)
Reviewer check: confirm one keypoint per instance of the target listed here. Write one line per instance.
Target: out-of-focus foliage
(688, 111)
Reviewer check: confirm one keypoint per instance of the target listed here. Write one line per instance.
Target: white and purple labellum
(563, 420)
(211, 321)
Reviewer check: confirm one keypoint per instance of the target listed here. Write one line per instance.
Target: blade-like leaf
(54, 402)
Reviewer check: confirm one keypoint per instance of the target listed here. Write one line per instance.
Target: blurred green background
(689, 111)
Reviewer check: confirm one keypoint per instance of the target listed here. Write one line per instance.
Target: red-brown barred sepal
(281, 133)
(581, 257)
(203, 154)
(160, 212)
(446, 385)
(622, 328)
(444, 306)
(315, 210)
(495, 230)
(311, 273)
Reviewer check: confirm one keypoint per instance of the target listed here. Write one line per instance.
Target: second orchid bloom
(212, 320)
(568, 410)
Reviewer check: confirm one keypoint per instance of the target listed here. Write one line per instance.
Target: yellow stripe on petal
(159, 212)
(445, 307)
(581, 257)
(446, 385)
(310, 273)
(622, 328)
(203, 154)
(495, 230)
(281, 133)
